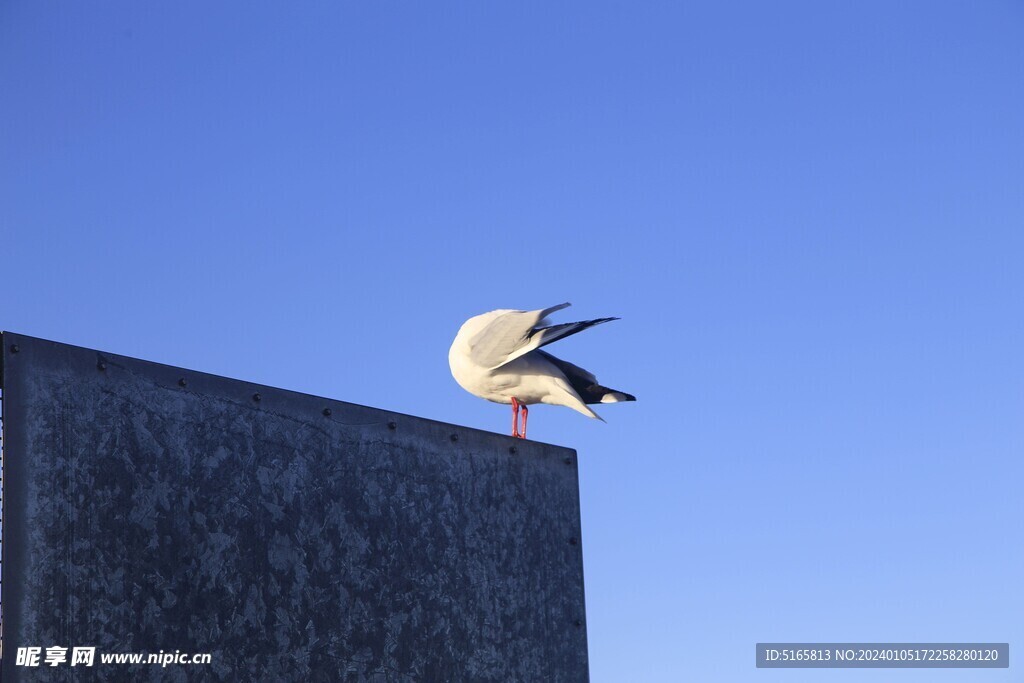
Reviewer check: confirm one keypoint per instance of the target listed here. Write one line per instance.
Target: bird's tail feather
(586, 410)
(568, 397)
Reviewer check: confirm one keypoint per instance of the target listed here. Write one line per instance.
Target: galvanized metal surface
(149, 508)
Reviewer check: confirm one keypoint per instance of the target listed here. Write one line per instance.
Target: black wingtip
(598, 394)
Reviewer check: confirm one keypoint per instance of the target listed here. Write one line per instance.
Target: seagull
(497, 356)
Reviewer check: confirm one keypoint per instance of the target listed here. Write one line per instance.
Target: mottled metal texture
(295, 538)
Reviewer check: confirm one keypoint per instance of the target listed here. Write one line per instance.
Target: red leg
(515, 417)
(526, 412)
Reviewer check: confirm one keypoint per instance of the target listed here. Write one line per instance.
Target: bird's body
(497, 356)
(530, 379)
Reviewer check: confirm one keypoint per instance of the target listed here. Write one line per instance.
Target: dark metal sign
(149, 509)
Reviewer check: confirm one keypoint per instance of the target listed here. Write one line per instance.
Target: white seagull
(497, 356)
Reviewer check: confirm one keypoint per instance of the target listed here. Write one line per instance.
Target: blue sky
(808, 215)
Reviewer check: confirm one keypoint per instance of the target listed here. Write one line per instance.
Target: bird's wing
(585, 384)
(495, 345)
(515, 333)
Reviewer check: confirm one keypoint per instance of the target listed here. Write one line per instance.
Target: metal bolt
(512, 450)
(256, 397)
(568, 460)
(392, 425)
(578, 623)
(574, 541)
(15, 348)
(327, 412)
(455, 437)
(182, 382)
(101, 365)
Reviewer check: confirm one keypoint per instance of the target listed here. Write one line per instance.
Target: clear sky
(809, 215)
